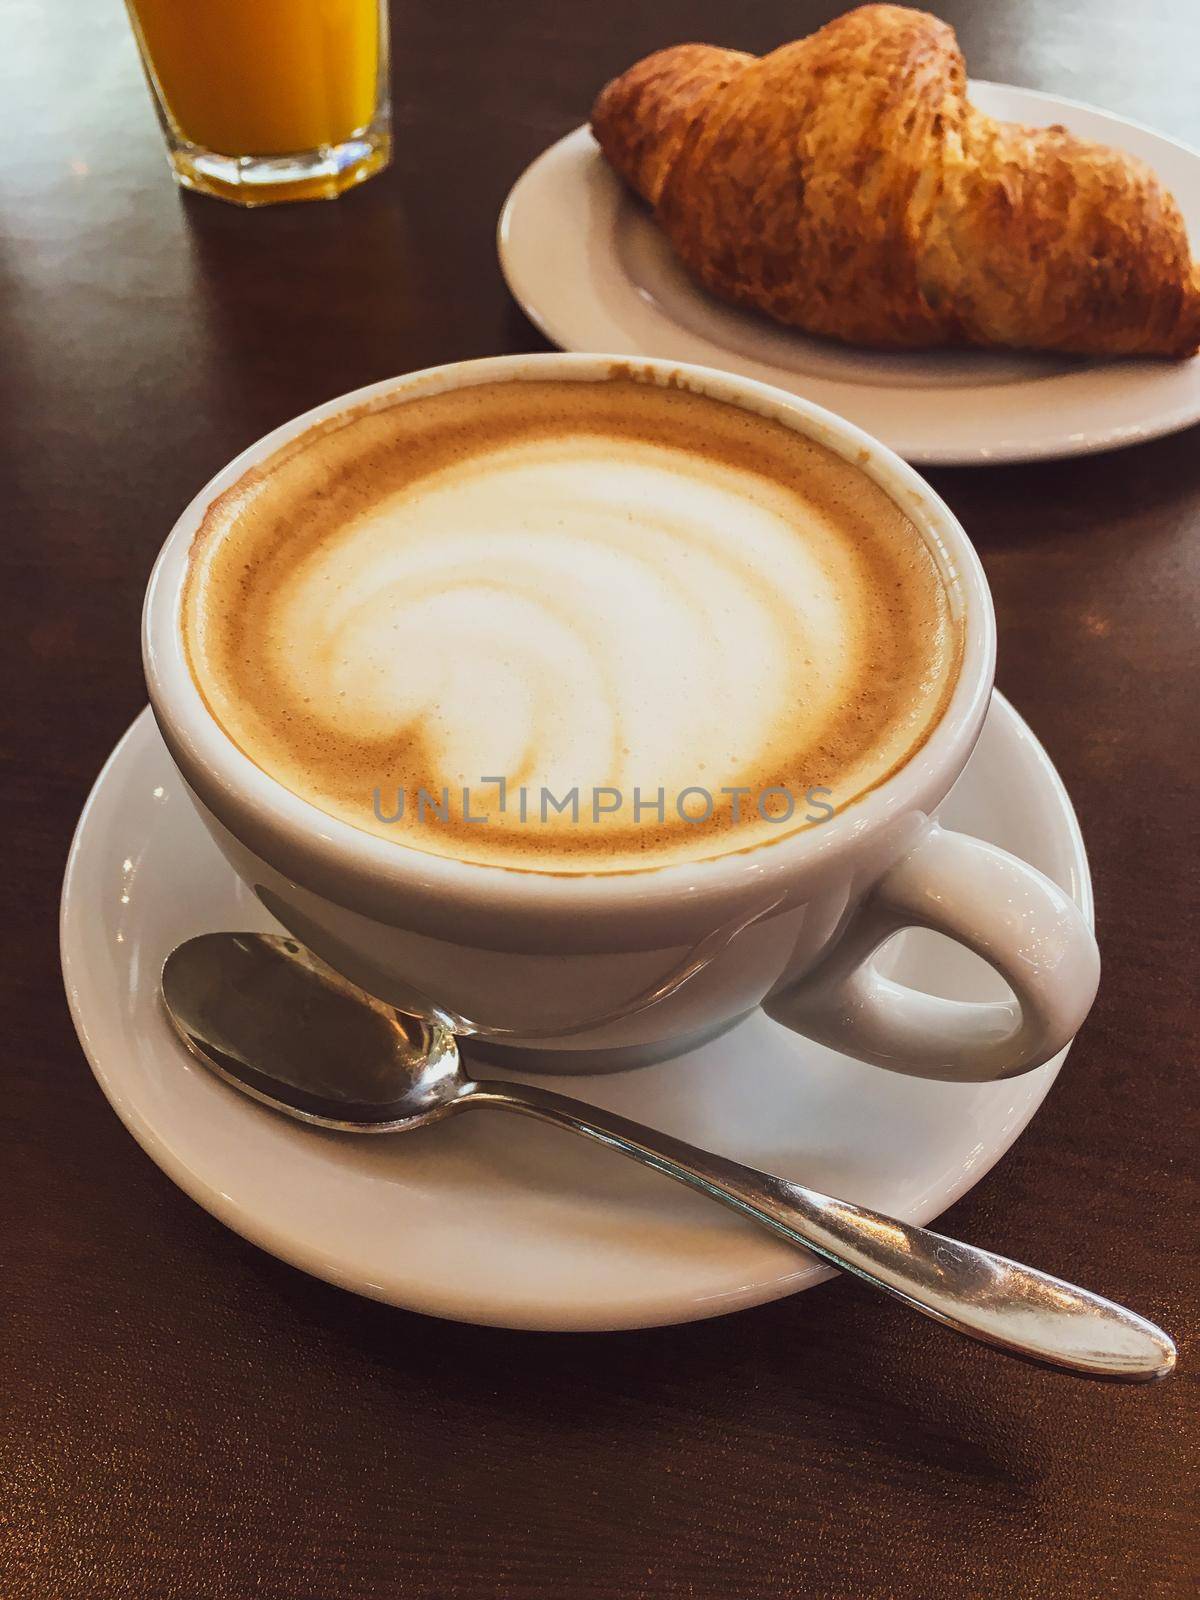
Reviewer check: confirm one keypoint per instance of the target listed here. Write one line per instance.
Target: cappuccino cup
(584, 705)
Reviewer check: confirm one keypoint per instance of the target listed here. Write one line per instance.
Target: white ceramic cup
(589, 972)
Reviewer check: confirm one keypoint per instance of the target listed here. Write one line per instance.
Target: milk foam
(576, 587)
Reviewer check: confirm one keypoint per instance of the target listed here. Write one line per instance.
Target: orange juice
(263, 77)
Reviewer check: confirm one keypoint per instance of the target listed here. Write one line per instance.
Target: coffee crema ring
(423, 611)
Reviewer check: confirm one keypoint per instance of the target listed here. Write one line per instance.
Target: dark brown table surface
(184, 1416)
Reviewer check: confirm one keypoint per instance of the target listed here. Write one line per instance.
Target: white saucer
(493, 1219)
(590, 268)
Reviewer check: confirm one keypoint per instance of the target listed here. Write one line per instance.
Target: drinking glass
(265, 100)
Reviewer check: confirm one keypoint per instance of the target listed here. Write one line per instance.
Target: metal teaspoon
(267, 1016)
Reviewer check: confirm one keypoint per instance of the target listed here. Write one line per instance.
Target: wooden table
(184, 1416)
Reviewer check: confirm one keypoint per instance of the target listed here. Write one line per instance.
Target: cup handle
(1004, 910)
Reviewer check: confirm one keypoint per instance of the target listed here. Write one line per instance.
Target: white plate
(493, 1219)
(590, 267)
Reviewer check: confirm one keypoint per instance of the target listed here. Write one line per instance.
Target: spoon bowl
(270, 1018)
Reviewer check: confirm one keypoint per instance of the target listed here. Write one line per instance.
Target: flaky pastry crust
(845, 185)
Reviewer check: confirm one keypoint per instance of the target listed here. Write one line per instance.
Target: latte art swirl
(607, 647)
(572, 587)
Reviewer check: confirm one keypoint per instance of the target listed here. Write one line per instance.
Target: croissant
(845, 185)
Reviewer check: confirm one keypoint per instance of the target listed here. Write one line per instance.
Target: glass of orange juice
(264, 100)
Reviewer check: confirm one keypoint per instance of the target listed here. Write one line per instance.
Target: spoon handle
(1017, 1309)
